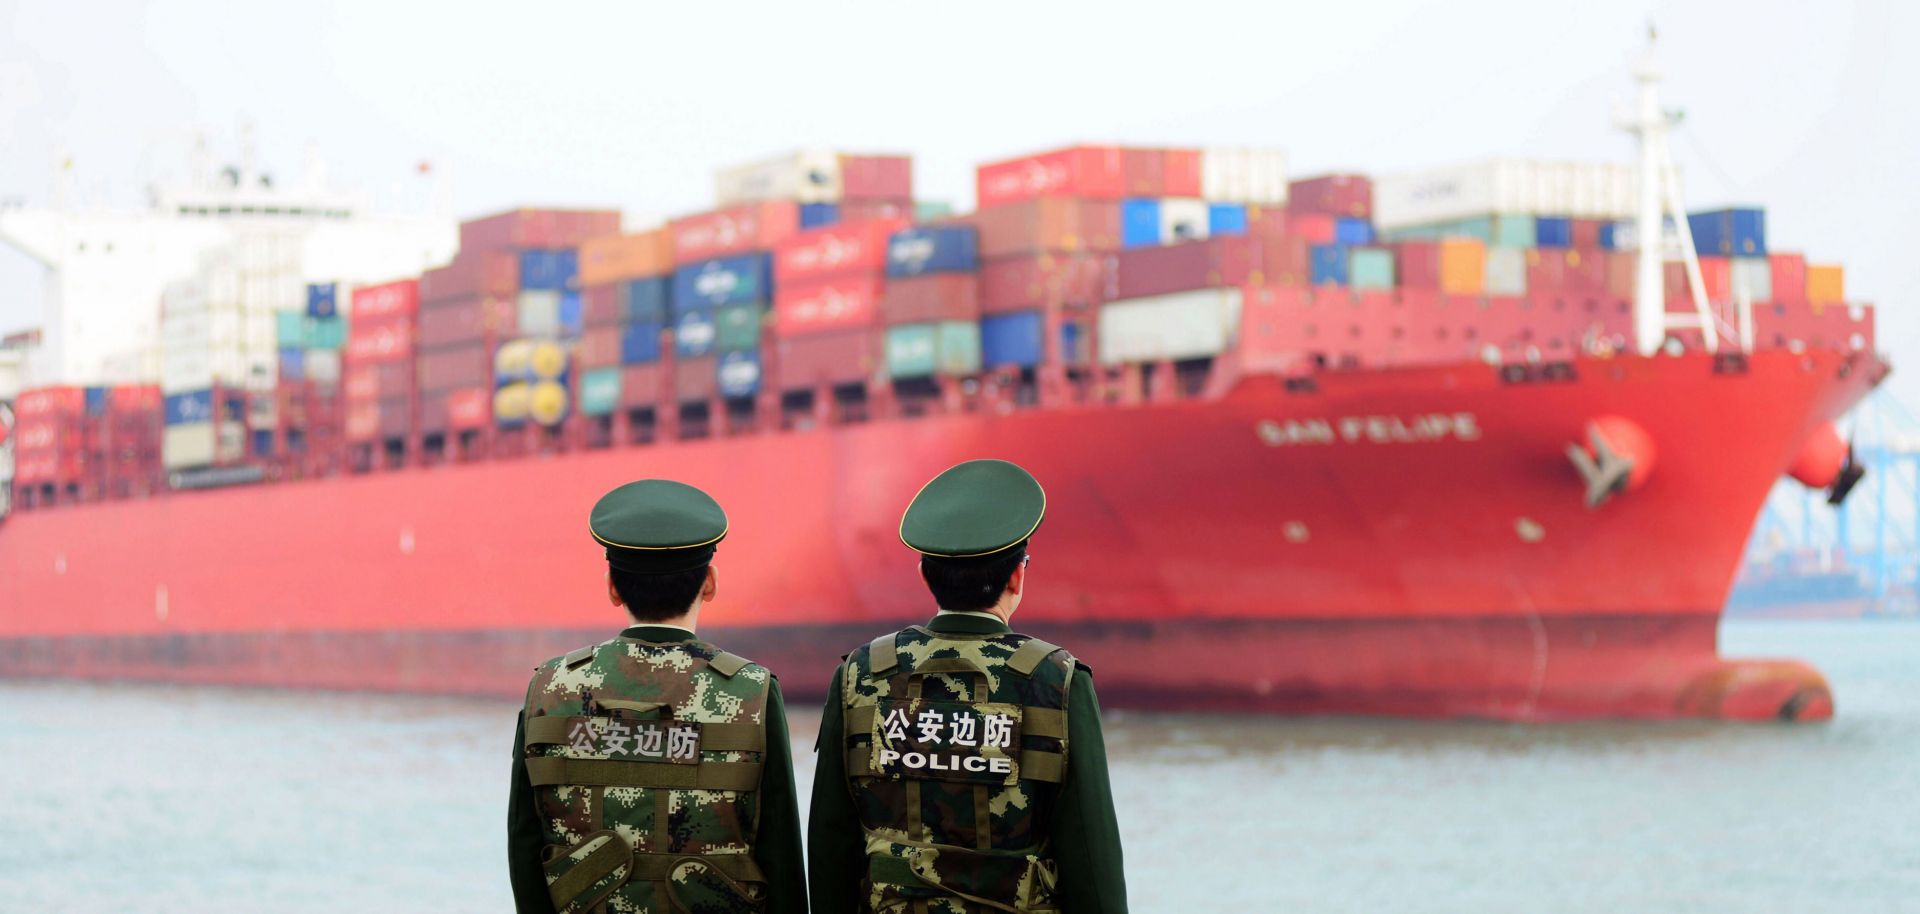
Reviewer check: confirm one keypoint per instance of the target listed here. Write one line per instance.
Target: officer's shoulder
(571, 659)
(734, 666)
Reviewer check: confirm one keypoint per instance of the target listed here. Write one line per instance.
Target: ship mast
(1659, 200)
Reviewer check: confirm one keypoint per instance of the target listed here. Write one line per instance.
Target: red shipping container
(134, 398)
(1567, 272)
(1081, 171)
(876, 178)
(600, 347)
(749, 227)
(466, 320)
(469, 365)
(50, 401)
(833, 251)
(377, 381)
(470, 408)
(386, 300)
(1586, 233)
(396, 417)
(840, 357)
(853, 211)
(386, 342)
(1228, 260)
(1182, 169)
(1145, 172)
(536, 228)
(1716, 273)
(1039, 226)
(830, 305)
(362, 421)
(600, 306)
(642, 385)
(1789, 278)
(1332, 195)
(472, 273)
(933, 297)
(1045, 281)
(695, 379)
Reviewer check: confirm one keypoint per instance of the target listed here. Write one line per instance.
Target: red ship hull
(1408, 541)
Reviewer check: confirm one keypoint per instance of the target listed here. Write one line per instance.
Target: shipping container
(833, 357)
(378, 381)
(1350, 231)
(543, 403)
(1329, 264)
(735, 230)
(530, 358)
(1739, 232)
(1182, 219)
(640, 343)
(933, 297)
(829, 305)
(643, 385)
(1789, 279)
(463, 320)
(469, 409)
(1455, 266)
(1240, 175)
(1139, 222)
(817, 215)
(290, 330)
(837, 251)
(1180, 173)
(1552, 232)
(1226, 219)
(1183, 325)
(1144, 172)
(803, 176)
(386, 300)
(1332, 195)
(548, 269)
(537, 312)
(603, 305)
(737, 374)
(189, 408)
(322, 366)
(323, 299)
(733, 280)
(599, 347)
(1096, 172)
(737, 327)
(694, 333)
(600, 391)
(1044, 281)
(856, 211)
(292, 366)
(1370, 268)
(613, 258)
(1751, 279)
(933, 249)
(459, 366)
(1506, 272)
(695, 380)
(1225, 261)
(1014, 340)
(649, 300)
(471, 273)
(946, 349)
(1047, 226)
(1826, 285)
(876, 177)
(534, 228)
(1520, 186)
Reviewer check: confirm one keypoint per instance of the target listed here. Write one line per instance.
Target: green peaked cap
(658, 526)
(977, 508)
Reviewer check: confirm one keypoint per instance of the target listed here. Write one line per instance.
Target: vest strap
(657, 867)
(580, 772)
(601, 862)
(727, 664)
(883, 655)
(553, 730)
(1026, 658)
(1035, 765)
(574, 658)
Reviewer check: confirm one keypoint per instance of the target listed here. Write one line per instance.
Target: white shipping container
(1182, 219)
(1231, 174)
(1523, 186)
(805, 176)
(539, 312)
(1183, 325)
(1752, 277)
(1269, 178)
(322, 366)
(1506, 271)
(185, 446)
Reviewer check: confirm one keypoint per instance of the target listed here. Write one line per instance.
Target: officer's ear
(711, 586)
(1018, 579)
(613, 594)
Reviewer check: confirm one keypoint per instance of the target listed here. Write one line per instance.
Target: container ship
(1481, 441)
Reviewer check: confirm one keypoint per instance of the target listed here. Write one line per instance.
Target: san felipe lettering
(934, 761)
(1416, 429)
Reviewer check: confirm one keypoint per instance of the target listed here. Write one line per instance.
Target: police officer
(961, 765)
(651, 772)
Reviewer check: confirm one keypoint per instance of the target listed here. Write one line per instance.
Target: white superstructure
(107, 269)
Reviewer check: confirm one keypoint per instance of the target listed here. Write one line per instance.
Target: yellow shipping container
(1826, 285)
(1463, 266)
(612, 258)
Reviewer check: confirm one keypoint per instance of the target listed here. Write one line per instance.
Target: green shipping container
(600, 391)
(290, 330)
(929, 210)
(1370, 268)
(947, 348)
(1503, 231)
(326, 333)
(738, 327)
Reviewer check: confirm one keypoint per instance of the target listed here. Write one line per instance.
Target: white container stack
(1182, 325)
(1520, 186)
(1231, 174)
(804, 176)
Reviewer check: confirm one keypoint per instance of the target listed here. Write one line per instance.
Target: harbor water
(145, 798)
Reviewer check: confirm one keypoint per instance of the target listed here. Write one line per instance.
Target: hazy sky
(1810, 109)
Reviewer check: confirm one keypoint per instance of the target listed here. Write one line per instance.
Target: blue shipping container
(1730, 232)
(739, 374)
(323, 299)
(293, 364)
(815, 215)
(1552, 232)
(1329, 264)
(96, 399)
(648, 301)
(188, 408)
(570, 316)
(1227, 219)
(694, 333)
(640, 343)
(933, 249)
(1011, 339)
(548, 269)
(1139, 222)
(724, 281)
(263, 442)
(1352, 231)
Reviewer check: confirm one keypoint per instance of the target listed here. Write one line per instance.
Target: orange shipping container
(1826, 285)
(612, 258)
(1050, 224)
(1463, 266)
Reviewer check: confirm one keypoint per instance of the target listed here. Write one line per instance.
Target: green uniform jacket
(1086, 836)
(777, 850)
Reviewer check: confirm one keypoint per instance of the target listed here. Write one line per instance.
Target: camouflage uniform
(1041, 837)
(652, 775)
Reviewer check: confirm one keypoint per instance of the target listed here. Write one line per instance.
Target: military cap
(658, 526)
(974, 509)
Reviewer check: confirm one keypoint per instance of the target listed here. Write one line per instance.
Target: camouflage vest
(956, 745)
(645, 762)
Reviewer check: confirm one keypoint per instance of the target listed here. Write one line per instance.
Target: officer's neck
(688, 621)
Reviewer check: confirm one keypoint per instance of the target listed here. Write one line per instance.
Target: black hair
(658, 597)
(970, 584)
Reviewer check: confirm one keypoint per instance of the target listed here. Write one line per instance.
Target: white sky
(1812, 109)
